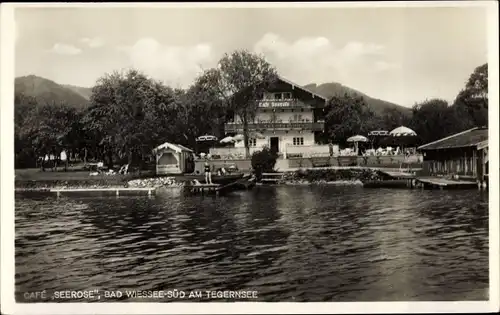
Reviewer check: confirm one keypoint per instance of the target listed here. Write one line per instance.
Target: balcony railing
(282, 104)
(314, 126)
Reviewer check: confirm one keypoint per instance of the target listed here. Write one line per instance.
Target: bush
(263, 161)
(331, 175)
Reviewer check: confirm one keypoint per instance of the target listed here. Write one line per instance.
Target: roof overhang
(482, 145)
(295, 85)
(425, 146)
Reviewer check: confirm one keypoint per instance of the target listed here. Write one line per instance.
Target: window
(282, 96)
(298, 141)
(252, 142)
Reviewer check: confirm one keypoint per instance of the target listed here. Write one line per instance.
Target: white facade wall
(283, 115)
(284, 137)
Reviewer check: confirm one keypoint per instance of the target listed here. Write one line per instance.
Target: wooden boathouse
(462, 156)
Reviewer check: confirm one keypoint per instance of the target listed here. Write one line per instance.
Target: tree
(239, 79)
(473, 99)
(50, 128)
(434, 119)
(347, 116)
(205, 109)
(24, 152)
(130, 113)
(263, 161)
(392, 118)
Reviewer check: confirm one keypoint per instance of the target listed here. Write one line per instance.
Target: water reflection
(288, 243)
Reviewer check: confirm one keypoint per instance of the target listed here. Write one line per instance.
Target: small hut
(173, 159)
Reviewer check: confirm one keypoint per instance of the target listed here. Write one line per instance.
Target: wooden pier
(398, 174)
(445, 183)
(115, 191)
(204, 188)
(216, 189)
(410, 180)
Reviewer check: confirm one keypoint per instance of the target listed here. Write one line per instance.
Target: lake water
(286, 243)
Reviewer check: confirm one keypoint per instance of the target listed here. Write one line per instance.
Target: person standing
(208, 174)
(64, 160)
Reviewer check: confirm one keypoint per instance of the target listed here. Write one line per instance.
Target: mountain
(83, 91)
(336, 89)
(49, 91)
(75, 96)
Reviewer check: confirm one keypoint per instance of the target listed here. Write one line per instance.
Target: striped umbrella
(238, 137)
(227, 140)
(402, 131)
(206, 138)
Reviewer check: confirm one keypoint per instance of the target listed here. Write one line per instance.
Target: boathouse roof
(475, 137)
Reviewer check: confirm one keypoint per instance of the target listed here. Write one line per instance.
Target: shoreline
(325, 183)
(303, 177)
(45, 188)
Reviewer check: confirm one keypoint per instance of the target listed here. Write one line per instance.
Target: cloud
(95, 42)
(65, 49)
(384, 65)
(316, 59)
(176, 65)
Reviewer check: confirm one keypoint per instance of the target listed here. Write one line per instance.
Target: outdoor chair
(123, 170)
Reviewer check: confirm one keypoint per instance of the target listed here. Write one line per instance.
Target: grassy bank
(35, 179)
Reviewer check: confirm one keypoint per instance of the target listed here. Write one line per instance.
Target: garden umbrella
(402, 131)
(239, 137)
(204, 143)
(356, 139)
(206, 138)
(227, 140)
(403, 136)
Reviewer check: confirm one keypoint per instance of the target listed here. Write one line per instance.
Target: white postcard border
(7, 193)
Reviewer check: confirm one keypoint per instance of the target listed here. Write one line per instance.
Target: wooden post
(466, 167)
(117, 193)
(474, 163)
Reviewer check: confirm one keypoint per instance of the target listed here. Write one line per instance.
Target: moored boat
(216, 179)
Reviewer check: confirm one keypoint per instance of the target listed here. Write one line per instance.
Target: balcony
(273, 126)
(282, 104)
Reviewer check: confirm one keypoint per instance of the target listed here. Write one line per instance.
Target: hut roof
(176, 147)
(474, 137)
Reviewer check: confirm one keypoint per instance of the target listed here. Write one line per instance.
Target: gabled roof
(176, 147)
(295, 85)
(475, 137)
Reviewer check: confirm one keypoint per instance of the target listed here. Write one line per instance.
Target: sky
(401, 55)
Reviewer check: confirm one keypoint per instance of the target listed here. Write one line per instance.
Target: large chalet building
(288, 115)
